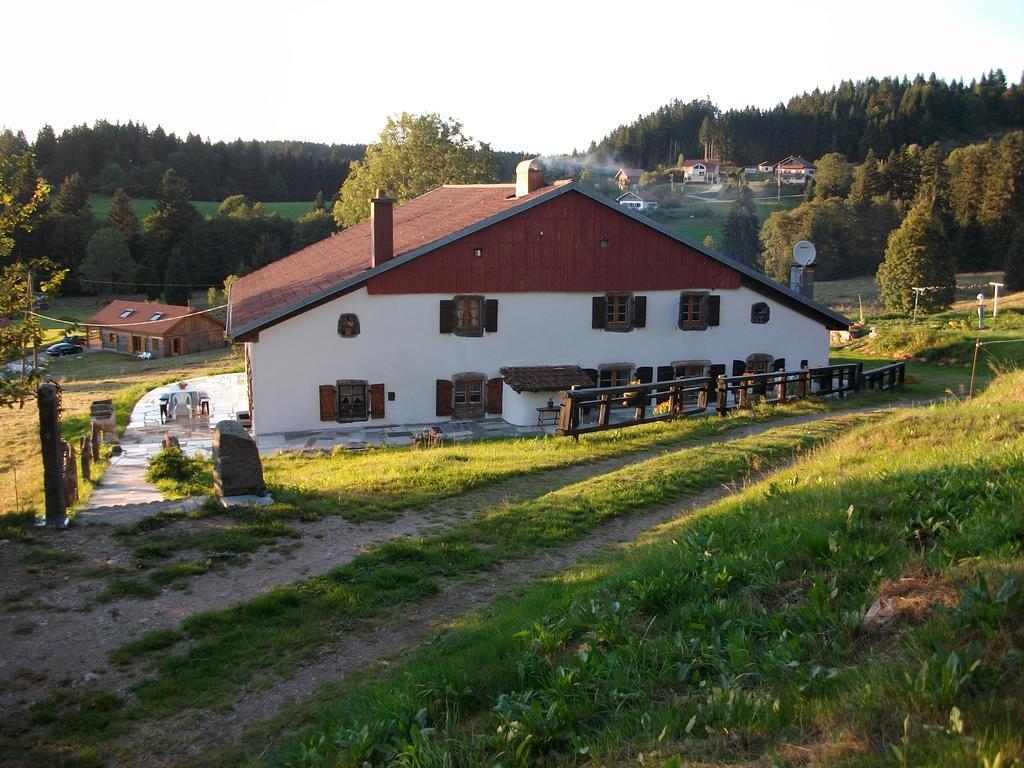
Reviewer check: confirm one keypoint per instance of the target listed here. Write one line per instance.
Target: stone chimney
(382, 233)
(801, 279)
(529, 177)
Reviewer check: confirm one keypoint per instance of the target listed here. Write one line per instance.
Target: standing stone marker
(237, 470)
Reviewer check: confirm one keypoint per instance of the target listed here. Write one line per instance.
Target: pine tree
(176, 277)
(918, 255)
(739, 238)
(318, 201)
(123, 217)
(109, 263)
(73, 196)
(1015, 260)
(867, 182)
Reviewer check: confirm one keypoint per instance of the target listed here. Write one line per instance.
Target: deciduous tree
(918, 255)
(415, 153)
(832, 177)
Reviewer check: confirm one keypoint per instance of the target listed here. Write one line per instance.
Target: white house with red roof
(794, 170)
(709, 171)
(485, 300)
(162, 330)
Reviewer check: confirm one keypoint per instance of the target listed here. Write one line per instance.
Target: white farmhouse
(709, 171)
(637, 201)
(487, 299)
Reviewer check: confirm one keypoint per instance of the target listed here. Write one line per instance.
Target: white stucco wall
(400, 346)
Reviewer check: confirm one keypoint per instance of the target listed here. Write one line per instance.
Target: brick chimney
(382, 228)
(529, 177)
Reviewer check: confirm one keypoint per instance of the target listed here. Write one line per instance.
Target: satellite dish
(804, 253)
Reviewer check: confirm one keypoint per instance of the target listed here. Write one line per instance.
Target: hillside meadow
(100, 204)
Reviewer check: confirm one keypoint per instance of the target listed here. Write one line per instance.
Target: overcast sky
(527, 75)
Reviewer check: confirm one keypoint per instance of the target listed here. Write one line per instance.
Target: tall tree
(177, 277)
(918, 255)
(867, 183)
(109, 264)
(833, 176)
(73, 196)
(123, 217)
(415, 153)
(739, 238)
(19, 205)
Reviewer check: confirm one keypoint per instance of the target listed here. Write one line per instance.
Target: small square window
(615, 375)
(693, 310)
(478, 253)
(351, 401)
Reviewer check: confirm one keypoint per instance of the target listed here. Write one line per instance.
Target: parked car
(63, 348)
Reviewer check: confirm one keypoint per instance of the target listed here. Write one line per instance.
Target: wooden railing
(599, 408)
(593, 409)
(886, 377)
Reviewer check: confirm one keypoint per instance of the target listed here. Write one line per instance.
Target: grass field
(736, 634)
(100, 204)
(697, 218)
(848, 296)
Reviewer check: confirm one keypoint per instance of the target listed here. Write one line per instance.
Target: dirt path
(192, 736)
(60, 636)
(61, 629)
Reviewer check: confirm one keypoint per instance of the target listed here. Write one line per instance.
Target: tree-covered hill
(851, 118)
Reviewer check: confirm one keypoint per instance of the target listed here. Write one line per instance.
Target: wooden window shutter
(779, 364)
(491, 316)
(639, 311)
(447, 315)
(666, 373)
(592, 373)
(645, 374)
(376, 401)
(598, 313)
(714, 308)
(328, 402)
(716, 370)
(494, 395)
(444, 397)
(739, 367)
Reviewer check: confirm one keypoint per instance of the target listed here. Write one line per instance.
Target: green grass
(696, 218)
(734, 635)
(100, 204)
(267, 637)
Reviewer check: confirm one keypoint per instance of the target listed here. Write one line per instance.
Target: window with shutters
(468, 315)
(694, 310)
(760, 313)
(615, 375)
(468, 395)
(688, 369)
(619, 312)
(352, 400)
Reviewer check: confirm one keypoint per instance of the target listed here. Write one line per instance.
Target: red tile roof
(318, 267)
(138, 321)
(546, 378)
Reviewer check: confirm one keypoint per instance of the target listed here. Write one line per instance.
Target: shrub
(172, 464)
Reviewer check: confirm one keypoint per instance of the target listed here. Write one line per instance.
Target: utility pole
(917, 294)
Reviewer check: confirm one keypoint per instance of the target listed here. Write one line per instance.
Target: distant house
(765, 167)
(637, 201)
(709, 171)
(628, 177)
(794, 170)
(162, 330)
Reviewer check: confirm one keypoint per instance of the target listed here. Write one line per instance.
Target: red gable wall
(567, 257)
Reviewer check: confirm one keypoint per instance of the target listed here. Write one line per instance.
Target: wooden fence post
(49, 437)
(96, 438)
(604, 410)
(85, 447)
(722, 396)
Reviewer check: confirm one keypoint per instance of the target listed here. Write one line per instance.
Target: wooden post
(69, 471)
(722, 395)
(673, 399)
(96, 439)
(858, 383)
(85, 446)
(603, 411)
(49, 437)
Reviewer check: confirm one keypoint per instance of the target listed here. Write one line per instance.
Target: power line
(133, 282)
(129, 325)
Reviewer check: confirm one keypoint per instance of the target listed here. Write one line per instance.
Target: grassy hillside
(740, 634)
(100, 204)
(702, 215)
